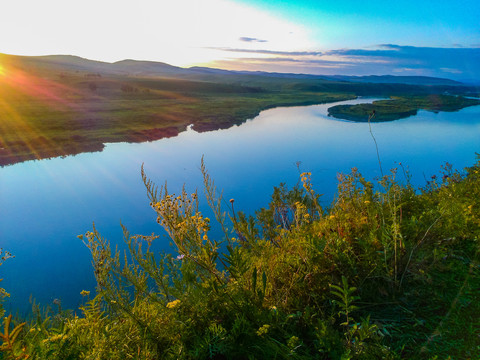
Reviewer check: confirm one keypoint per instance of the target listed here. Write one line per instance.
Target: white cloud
(451, 71)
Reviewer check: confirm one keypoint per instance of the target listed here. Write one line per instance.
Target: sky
(346, 37)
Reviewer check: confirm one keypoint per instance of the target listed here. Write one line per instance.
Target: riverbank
(61, 122)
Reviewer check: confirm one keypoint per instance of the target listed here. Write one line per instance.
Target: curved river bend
(45, 204)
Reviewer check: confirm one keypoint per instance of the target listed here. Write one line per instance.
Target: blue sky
(349, 23)
(433, 38)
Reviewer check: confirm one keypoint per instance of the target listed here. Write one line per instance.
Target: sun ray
(26, 101)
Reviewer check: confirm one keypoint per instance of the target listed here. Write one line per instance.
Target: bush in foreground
(385, 272)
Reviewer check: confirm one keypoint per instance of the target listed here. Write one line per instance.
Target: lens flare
(27, 103)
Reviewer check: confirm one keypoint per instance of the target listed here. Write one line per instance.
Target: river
(45, 204)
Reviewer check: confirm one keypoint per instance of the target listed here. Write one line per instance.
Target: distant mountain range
(151, 68)
(377, 79)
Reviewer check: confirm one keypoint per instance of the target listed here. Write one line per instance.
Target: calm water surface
(45, 204)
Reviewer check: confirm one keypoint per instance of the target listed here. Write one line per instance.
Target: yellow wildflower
(173, 304)
(263, 330)
(84, 293)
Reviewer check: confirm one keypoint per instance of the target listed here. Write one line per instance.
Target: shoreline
(140, 135)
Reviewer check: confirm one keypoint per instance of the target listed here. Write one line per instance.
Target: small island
(399, 107)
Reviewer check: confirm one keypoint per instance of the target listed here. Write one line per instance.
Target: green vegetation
(386, 272)
(400, 107)
(4, 255)
(61, 105)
